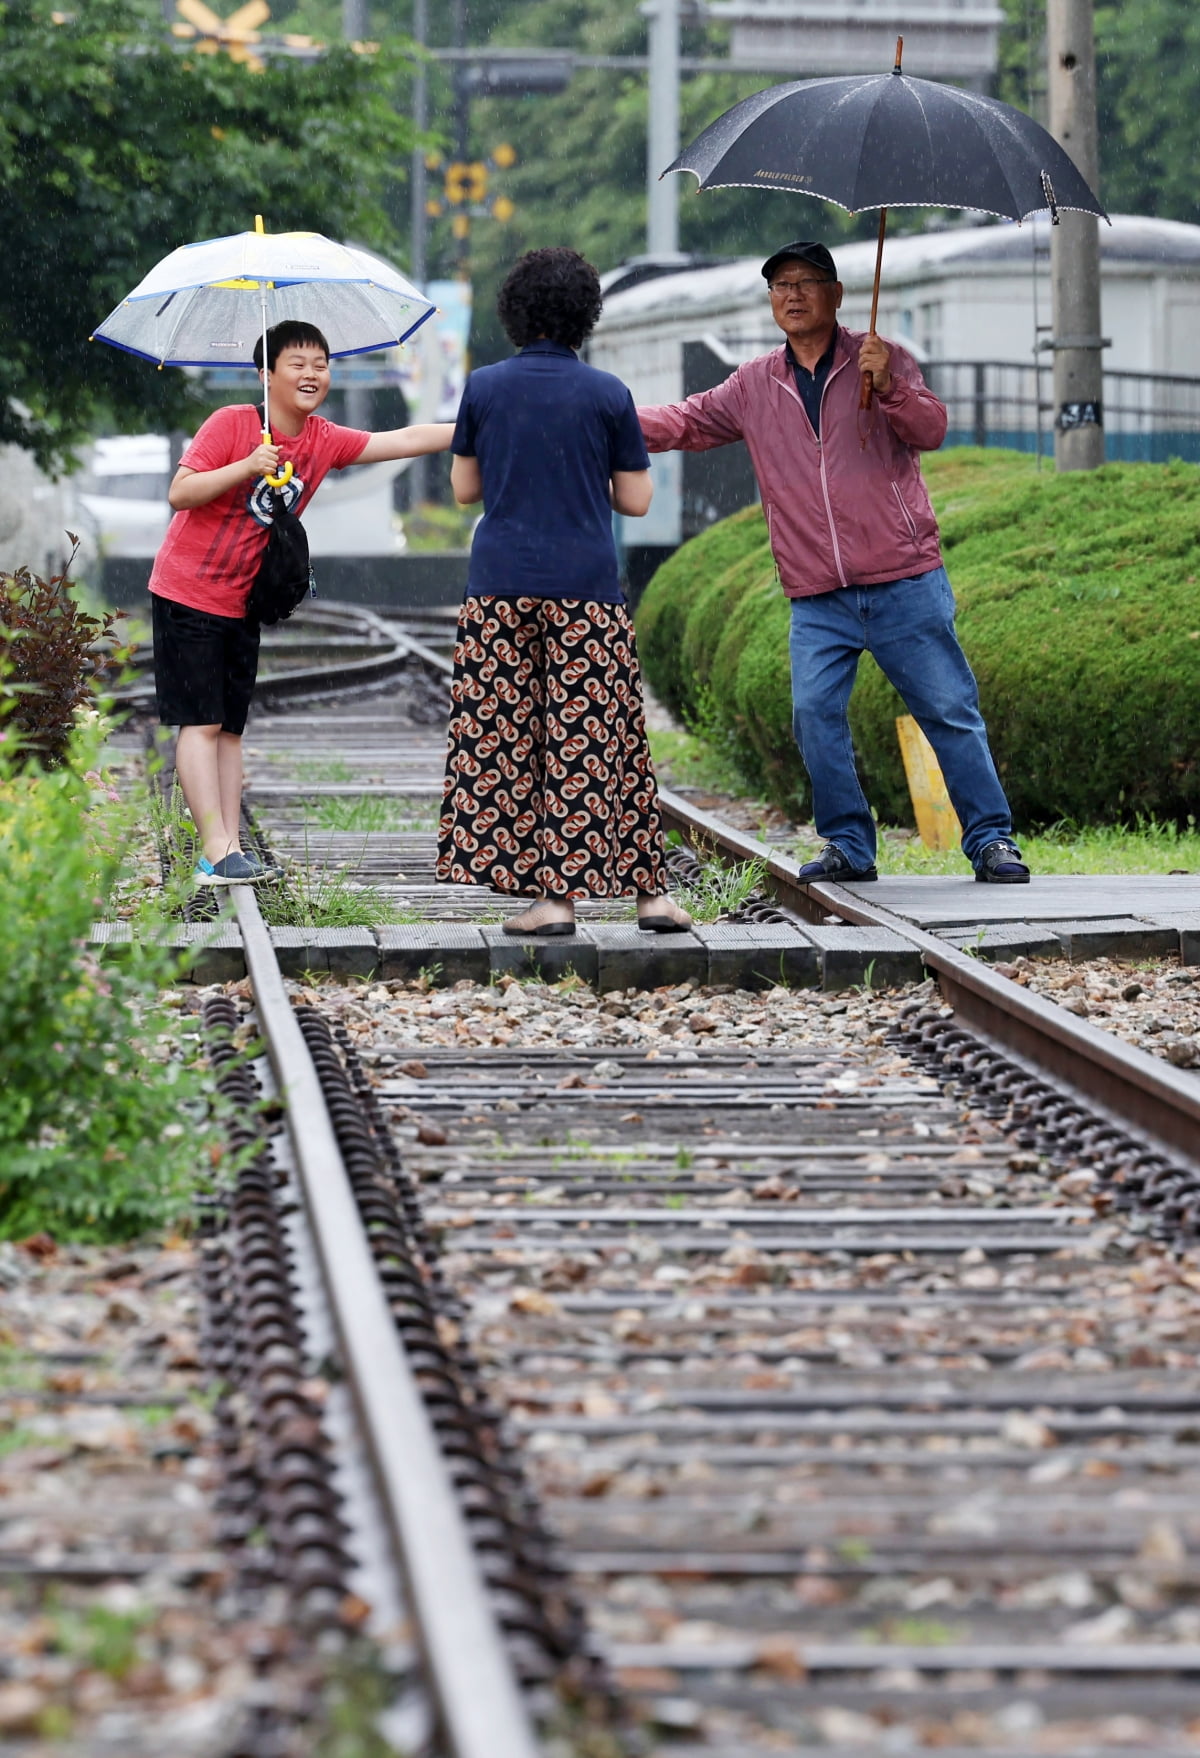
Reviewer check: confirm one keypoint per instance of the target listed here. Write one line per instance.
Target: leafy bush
(47, 660)
(1079, 610)
(102, 1124)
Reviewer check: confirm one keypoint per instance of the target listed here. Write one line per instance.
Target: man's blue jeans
(908, 627)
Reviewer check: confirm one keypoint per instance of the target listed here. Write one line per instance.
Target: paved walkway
(1083, 916)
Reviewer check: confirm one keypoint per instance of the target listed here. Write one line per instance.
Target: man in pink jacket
(857, 551)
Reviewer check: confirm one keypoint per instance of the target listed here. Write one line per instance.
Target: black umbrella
(884, 140)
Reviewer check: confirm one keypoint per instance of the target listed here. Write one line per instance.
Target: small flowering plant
(52, 653)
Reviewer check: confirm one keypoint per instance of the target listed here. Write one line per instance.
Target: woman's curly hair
(553, 293)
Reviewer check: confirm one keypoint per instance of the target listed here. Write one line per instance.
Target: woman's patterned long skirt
(549, 784)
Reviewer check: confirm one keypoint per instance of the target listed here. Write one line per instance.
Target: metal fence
(1148, 416)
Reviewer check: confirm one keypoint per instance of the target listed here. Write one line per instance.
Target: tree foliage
(1148, 83)
(115, 147)
(581, 178)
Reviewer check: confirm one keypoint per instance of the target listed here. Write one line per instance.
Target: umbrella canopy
(885, 140)
(203, 305)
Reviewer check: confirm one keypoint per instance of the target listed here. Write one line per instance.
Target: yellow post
(936, 819)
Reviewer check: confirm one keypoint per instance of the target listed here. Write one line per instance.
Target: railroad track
(717, 1401)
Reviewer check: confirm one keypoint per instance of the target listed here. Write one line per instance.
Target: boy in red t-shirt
(205, 654)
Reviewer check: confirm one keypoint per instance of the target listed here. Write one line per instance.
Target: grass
(1079, 609)
(106, 1640)
(327, 897)
(95, 1075)
(1063, 848)
(372, 812)
(685, 759)
(431, 526)
(309, 896)
(317, 771)
(720, 890)
(1147, 847)
(178, 844)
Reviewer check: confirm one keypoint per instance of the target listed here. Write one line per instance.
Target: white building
(969, 293)
(973, 303)
(943, 39)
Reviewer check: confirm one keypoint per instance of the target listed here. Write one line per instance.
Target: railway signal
(235, 35)
(467, 189)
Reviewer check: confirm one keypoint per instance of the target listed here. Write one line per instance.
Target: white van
(123, 494)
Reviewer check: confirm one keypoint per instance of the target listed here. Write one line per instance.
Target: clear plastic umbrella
(207, 304)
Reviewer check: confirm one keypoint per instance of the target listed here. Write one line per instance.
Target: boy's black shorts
(204, 666)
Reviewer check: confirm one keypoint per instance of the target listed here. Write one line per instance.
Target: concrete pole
(1075, 242)
(358, 397)
(662, 132)
(461, 221)
(418, 477)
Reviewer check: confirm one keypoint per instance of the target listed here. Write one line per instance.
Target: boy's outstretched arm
(407, 442)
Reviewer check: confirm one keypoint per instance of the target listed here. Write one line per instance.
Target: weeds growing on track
(316, 771)
(312, 896)
(372, 812)
(720, 890)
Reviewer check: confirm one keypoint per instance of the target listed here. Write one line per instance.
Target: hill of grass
(1079, 609)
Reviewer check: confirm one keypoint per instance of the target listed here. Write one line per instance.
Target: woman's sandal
(668, 918)
(537, 923)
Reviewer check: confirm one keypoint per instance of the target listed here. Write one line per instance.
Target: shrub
(48, 648)
(1079, 610)
(102, 1122)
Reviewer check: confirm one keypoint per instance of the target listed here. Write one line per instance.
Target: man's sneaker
(1000, 863)
(831, 865)
(235, 869)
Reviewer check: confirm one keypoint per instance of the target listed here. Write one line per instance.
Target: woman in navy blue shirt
(550, 791)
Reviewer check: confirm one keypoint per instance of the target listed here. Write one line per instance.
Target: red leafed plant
(51, 651)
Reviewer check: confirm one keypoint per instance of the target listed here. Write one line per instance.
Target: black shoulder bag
(285, 576)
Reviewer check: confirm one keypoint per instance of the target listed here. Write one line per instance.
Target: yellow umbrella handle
(277, 481)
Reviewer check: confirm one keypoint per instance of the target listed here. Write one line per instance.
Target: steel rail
(1124, 1083)
(397, 651)
(479, 1703)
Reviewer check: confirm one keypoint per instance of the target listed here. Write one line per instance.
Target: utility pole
(662, 131)
(354, 20)
(358, 397)
(460, 225)
(1075, 242)
(418, 477)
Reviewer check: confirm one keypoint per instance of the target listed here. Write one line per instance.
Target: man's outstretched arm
(710, 418)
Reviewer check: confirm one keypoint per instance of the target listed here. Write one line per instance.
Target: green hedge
(1079, 610)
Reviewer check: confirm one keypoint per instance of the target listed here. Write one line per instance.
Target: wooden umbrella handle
(868, 382)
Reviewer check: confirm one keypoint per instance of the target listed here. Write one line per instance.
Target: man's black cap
(816, 254)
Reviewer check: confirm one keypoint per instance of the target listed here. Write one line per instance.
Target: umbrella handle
(868, 381)
(277, 481)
